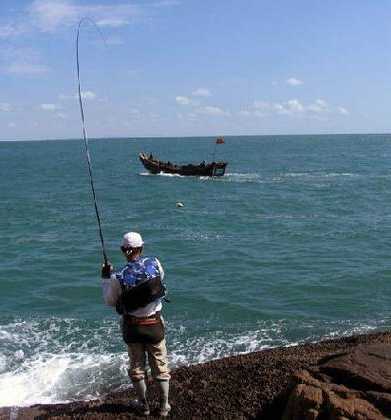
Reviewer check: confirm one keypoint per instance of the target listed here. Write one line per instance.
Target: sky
(194, 68)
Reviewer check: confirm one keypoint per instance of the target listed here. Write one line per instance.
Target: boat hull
(156, 166)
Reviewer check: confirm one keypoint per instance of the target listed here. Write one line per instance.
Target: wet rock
(353, 385)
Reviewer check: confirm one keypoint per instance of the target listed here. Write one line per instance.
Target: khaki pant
(157, 360)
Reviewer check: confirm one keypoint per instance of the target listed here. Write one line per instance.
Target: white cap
(132, 240)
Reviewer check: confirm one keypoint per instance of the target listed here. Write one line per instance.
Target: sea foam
(51, 364)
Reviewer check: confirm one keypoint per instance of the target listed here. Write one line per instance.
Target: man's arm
(110, 286)
(160, 269)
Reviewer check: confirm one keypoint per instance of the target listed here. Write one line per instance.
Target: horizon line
(385, 132)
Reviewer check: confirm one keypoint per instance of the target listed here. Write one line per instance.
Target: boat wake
(236, 177)
(229, 177)
(277, 178)
(306, 177)
(163, 174)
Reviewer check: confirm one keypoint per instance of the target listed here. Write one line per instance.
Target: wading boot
(164, 405)
(140, 405)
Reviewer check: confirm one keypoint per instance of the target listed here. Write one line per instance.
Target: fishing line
(88, 157)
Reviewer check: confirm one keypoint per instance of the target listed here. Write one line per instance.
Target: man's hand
(106, 270)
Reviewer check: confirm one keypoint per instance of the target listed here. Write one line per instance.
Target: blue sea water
(292, 245)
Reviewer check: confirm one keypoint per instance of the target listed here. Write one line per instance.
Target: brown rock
(381, 400)
(351, 408)
(367, 367)
(327, 401)
(304, 402)
(354, 385)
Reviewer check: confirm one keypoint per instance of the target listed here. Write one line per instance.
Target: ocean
(292, 245)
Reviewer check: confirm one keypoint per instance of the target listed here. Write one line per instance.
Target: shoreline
(252, 385)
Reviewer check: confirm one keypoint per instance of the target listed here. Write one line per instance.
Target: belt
(149, 320)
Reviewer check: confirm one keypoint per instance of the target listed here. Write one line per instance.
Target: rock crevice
(352, 385)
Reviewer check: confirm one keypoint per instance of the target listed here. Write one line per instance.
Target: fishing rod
(85, 137)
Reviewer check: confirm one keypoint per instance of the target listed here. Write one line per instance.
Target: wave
(57, 360)
(237, 177)
(319, 175)
(254, 177)
(63, 377)
(228, 177)
(162, 174)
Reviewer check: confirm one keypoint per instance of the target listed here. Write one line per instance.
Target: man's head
(132, 245)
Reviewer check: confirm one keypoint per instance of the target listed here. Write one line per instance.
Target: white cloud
(26, 68)
(113, 22)
(211, 110)
(342, 110)
(88, 95)
(280, 109)
(47, 15)
(51, 15)
(260, 114)
(11, 124)
(244, 113)
(292, 81)
(62, 115)
(322, 103)
(6, 30)
(49, 107)
(135, 114)
(201, 92)
(22, 61)
(5, 107)
(262, 105)
(293, 107)
(9, 30)
(290, 107)
(192, 116)
(183, 100)
(318, 107)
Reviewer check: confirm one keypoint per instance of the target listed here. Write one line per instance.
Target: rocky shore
(344, 378)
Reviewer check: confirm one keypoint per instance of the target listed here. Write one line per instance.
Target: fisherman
(137, 291)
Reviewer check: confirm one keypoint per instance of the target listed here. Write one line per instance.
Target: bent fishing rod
(85, 137)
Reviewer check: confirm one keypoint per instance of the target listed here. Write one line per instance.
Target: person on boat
(150, 156)
(202, 165)
(136, 291)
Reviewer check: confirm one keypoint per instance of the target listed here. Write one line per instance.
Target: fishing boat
(155, 166)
